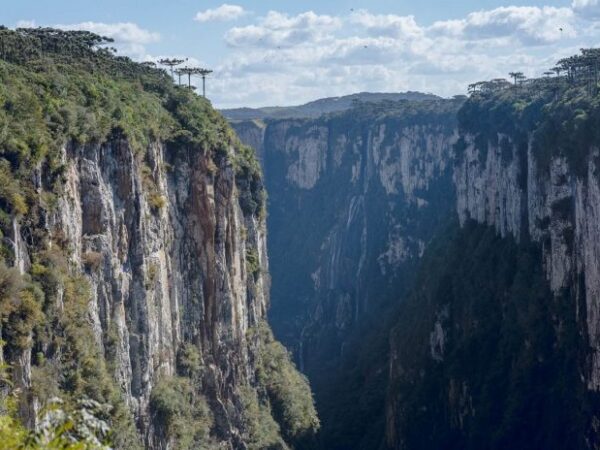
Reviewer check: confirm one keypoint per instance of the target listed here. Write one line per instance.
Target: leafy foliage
(20, 309)
(59, 88)
(60, 427)
(181, 413)
(289, 392)
(77, 367)
(263, 431)
(282, 415)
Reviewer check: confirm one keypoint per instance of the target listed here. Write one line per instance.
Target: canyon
(364, 206)
(429, 266)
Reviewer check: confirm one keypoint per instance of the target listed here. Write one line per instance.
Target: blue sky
(288, 52)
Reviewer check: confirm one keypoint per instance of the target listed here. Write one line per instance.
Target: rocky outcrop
(162, 241)
(509, 189)
(353, 200)
(512, 292)
(133, 268)
(133, 264)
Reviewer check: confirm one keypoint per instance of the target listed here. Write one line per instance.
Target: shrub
(156, 201)
(180, 412)
(20, 308)
(252, 262)
(288, 390)
(189, 361)
(263, 431)
(60, 427)
(92, 260)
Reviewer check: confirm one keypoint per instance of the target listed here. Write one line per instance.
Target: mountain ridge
(321, 106)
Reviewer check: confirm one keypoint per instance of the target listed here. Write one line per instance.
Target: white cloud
(587, 9)
(222, 13)
(529, 24)
(287, 59)
(281, 58)
(388, 25)
(281, 30)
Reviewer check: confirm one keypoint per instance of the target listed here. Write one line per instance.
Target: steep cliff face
(533, 187)
(494, 342)
(164, 276)
(134, 220)
(353, 200)
(483, 354)
(504, 346)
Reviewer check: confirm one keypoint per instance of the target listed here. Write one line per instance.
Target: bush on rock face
(181, 413)
(288, 391)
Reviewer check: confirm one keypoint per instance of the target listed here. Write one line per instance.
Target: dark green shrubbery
(60, 427)
(263, 431)
(60, 87)
(509, 372)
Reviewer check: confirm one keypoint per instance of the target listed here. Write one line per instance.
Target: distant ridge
(322, 106)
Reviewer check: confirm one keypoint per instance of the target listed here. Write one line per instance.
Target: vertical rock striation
(164, 275)
(505, 185)
(354, 198)
(497, 345)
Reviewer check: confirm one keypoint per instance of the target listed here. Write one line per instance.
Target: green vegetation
(508, 372)
(288, 397)
(252, 196)
(67, 90)
(60, 427)
(263, 431)
(20, 309)
(59, 88)
(252, 262)
(288, 390)
(181, 413)
(76, 368)
(560, 114)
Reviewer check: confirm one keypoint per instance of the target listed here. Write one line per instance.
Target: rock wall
(509, 294)
(552, 206)
(162, 240)
(349, 198)
(353, 200)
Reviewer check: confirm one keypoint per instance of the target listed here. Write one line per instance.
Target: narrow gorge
(435, 266)
(353, 199)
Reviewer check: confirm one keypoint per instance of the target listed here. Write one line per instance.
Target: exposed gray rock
(554, 207)
(170, 239)
(353, 200)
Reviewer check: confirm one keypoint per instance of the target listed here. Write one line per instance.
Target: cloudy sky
(284, 52)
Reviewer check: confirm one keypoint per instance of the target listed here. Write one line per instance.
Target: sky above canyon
(289, 52)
